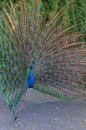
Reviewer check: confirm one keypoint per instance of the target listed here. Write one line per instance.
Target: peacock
(52, 53)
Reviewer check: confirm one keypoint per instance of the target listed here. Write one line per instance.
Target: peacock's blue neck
(31, 72)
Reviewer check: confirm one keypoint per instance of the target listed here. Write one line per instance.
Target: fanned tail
(58, 50)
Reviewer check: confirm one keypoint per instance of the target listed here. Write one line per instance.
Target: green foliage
(77, 15)
(50, 6)
(75, 12)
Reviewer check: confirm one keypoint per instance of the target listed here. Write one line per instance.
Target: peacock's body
(59, 52)
(31, 79)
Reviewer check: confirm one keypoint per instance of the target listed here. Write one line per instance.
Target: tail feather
(59, 52)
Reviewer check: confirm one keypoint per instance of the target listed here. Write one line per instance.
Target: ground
(37, 111)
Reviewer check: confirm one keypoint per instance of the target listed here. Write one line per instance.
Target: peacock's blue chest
(31, 79)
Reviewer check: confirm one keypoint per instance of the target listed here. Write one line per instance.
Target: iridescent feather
(59, 53)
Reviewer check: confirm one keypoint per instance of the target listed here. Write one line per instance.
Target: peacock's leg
(16, 118)
(13, 112)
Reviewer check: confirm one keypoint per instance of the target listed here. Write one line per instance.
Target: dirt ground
(37, 111)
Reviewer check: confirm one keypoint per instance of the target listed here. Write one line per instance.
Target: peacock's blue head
(33, 64)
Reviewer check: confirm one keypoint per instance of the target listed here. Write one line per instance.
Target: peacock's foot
(18, 122)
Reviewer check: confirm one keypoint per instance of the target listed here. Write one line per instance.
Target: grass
(55, 95)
